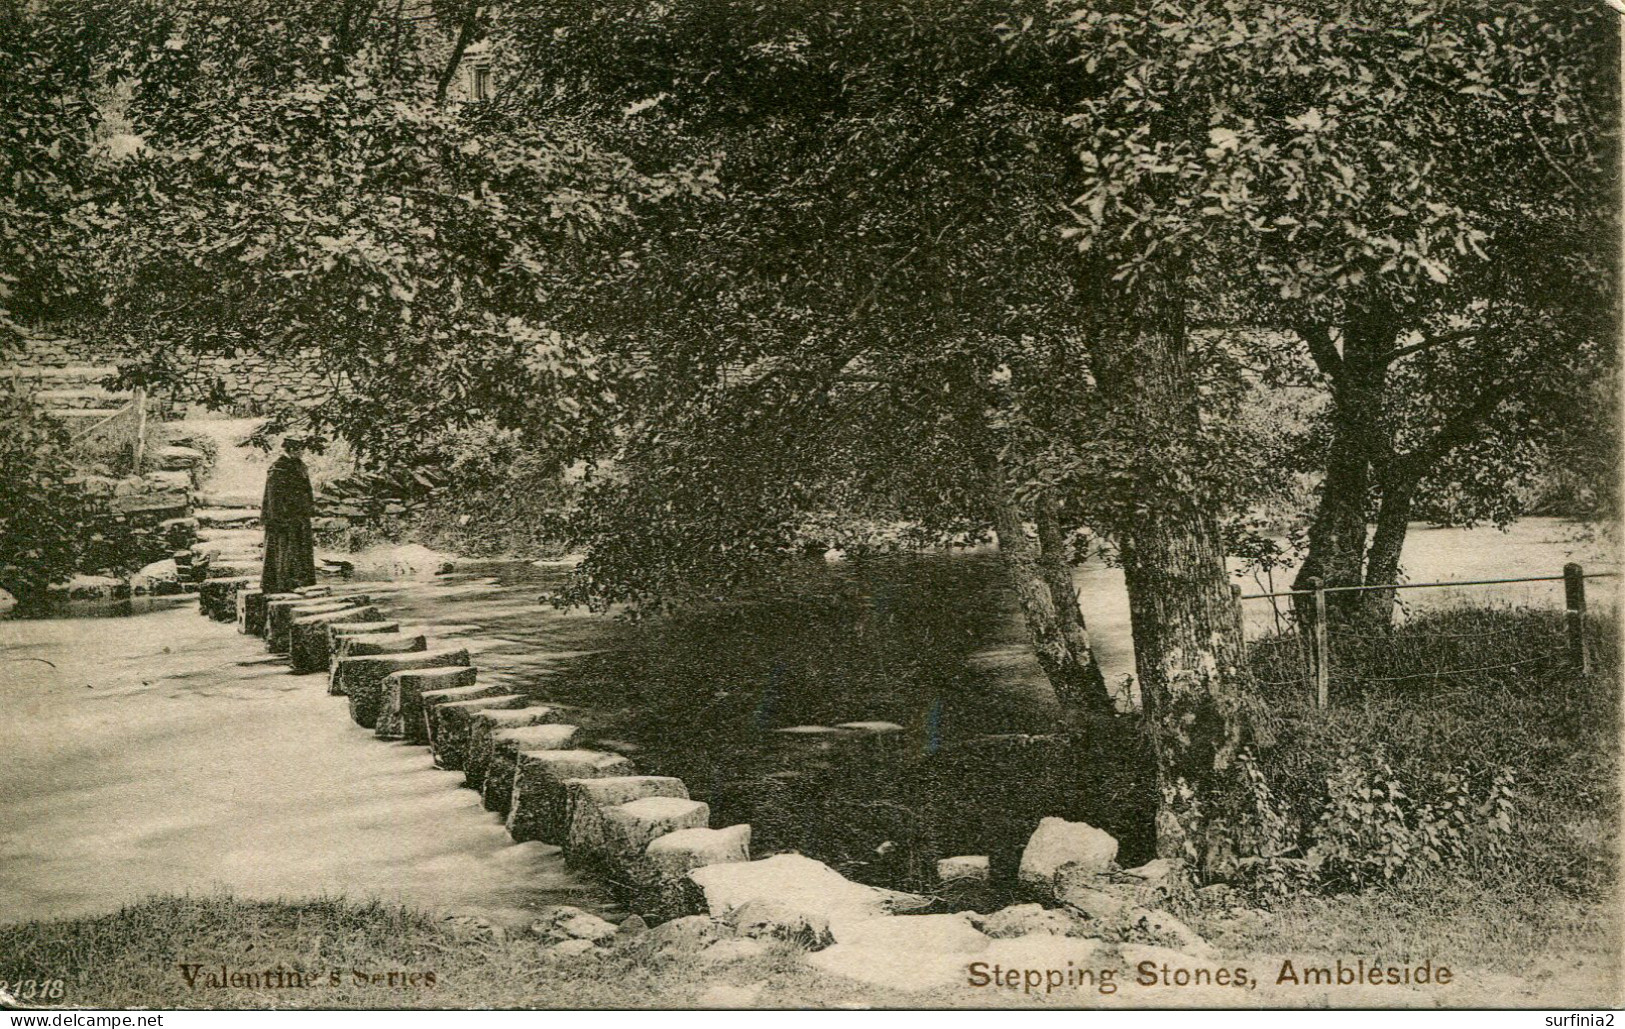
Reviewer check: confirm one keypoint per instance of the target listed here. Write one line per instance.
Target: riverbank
(171, 952)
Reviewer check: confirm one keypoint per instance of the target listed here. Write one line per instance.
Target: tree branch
(465, 35)
(1436, 341)
(1321, 348)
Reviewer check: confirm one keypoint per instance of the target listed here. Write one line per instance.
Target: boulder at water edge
(907, 952)
(1057, 842)
(808, 890)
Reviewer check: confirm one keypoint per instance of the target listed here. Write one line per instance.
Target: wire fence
(1328, 642)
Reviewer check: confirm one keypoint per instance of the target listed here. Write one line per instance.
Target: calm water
(932, 643)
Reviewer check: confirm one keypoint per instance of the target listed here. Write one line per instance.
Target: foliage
(1419, 771)
(42, 515)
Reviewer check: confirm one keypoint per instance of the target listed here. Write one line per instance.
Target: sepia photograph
(810, 505)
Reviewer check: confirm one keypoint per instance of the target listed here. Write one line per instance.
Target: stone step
(407, 694)
(502, 755)
(485, 723)
(537, 810)
(362, 678)
(79, 418)
(71, 371)
(233, 501)
(227, 517)
(449, 726)
(81, 397)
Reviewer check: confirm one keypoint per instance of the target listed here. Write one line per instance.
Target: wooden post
(1574, 597)
(1323, 652)
(140, 428)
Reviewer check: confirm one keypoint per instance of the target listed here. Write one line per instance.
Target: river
(161, 752)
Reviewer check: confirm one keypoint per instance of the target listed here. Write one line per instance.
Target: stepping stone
(586, 800)
(251, 611)
(369, 644)
(448, 726)
(279, 616)
(217, 598)
(537, 810)
(400, 709)
(483, 723)
(362, 677)
(314, 591)
(502, 757)
(629, 828)
(220, 568)
(260, 607)
(661, 887)
(335, 630)
(308, 649)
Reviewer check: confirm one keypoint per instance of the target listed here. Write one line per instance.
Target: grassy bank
(1552, 894)
(135, 958)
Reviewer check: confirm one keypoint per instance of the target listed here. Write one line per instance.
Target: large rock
(661, 887)
(372, 644)
(586, 799)
(1032, 920)
(363, 677)
(964, 869)
(400, 708)
(806, 888)
(308, 637)
(687, 935)
(629, 828)
(483, 723)
(537, 810)
(910, 952)
(259, 608)
(1057, 842)
(501, 757)
(449, 726)
(557, 924)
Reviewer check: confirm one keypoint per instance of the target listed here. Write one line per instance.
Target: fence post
(1574, 597)
(140, 428)
(1323, 653)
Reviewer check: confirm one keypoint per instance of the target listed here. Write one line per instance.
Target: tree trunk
(1337, 535)
(1060, 640)
(1055, 561)
(1382, 563)
(1188, 645)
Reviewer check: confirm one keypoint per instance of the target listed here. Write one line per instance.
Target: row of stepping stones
(643, 833)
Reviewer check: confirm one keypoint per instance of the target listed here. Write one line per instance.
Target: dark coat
(286, 510)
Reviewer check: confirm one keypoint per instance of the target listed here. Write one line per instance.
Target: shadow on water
(704, 695)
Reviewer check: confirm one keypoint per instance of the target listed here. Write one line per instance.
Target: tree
(1425, 194)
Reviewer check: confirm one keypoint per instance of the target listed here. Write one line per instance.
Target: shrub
(41, 513)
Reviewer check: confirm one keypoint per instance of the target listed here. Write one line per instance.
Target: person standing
(286, 510)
